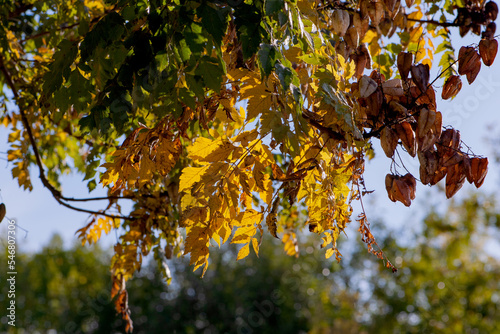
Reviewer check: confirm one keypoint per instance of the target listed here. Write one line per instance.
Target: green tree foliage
(220, 118)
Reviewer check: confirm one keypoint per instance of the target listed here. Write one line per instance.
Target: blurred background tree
(447, 283)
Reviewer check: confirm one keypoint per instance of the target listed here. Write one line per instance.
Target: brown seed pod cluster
(405, 112)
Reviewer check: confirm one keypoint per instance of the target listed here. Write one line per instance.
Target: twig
(55, 193)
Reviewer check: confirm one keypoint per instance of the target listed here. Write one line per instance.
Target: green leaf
(60, 67)
(273, 6)
(285, 75)
(267, 58)
(214, 21)
(211, 72)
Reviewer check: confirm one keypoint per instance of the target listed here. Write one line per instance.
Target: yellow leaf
(255, 244)
(207, 150)
(248, 217)
(244, 234)
(243, 253)
(191, 175)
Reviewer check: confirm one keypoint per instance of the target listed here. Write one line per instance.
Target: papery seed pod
(403, 190)
(390, 4)
(427, 142)
(467, 162)
(426, 121)
(455, 179)
(393, 87)
(385, 26)
(420, 75)
(404, 62)
(388, 141)
(389, 181)
(340, 21)
(376, 12)
(438, 175)
(361, 24)
(412, 184)
(489, 32)
(407, 135)
(398, 108)
(352, 37)
(452, 159)
(491, 10)
(452, 86)
(367, 86)
(488, 50)
(3, 211)
(479, 170)
(409, 3)
(468, 60)
(374, 104)
(343, 49)
(438, 124)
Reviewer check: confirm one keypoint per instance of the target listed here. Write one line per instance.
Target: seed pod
(409, 3)
(407, 135)
(438, 175)
(3, 211)
(467, 162)
(388, 141)
(491, 10)
(404, 61)
(340, 21)
(352, 37)
(426, 121)
(454, 179)
(488, 50)
(420, 75)
(452, 159)
(393, 87)
(468, 60)
(489, 32)
(398, 108)
(479, 168)
(367, 86)
(452, 86)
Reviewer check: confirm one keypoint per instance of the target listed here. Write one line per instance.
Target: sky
(475, 112)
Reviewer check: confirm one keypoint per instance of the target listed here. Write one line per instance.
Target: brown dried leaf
(479, 170)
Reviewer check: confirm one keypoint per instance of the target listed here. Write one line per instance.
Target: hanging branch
(55, 193)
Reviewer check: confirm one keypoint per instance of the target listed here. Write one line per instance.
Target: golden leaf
(243, 253)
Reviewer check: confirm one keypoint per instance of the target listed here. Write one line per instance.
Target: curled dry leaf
(340, 21)
(420, 75)
(407, 135)
(367, 86)
(452, 87)
(388, 141)
(488, 50)
(404, 62)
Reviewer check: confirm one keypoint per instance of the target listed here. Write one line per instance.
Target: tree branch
(55, 193)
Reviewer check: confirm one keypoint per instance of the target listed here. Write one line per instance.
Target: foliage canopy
(215, 117)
